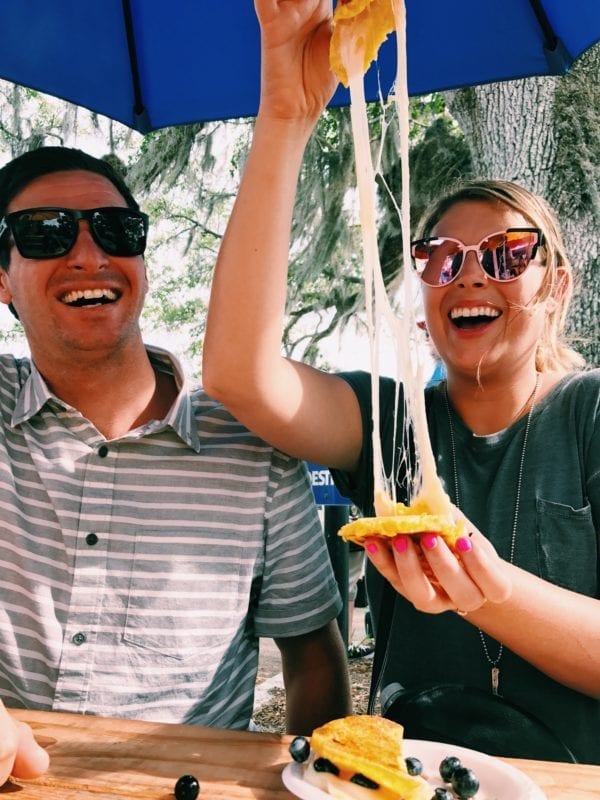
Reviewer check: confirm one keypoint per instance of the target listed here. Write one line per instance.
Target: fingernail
(429, 541)
(464, 544)
(400, 544)
(371, 547)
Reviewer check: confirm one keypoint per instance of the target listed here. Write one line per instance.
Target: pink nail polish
(371, 547)
(401, 544)
(464, 544)
(429, 541)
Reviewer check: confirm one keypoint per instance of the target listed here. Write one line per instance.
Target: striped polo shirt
(138, 572)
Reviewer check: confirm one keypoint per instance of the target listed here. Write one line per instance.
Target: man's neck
(115, 394)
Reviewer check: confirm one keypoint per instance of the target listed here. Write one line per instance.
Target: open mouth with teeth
(89, 297)
(473, 317)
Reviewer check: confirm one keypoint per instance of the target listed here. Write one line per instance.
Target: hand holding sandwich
(437, 576)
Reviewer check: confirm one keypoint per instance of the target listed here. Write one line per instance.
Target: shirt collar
(33, 396)
(180, 417)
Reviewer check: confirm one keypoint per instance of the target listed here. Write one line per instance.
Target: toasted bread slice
(371, 746)
(360, 26)
(414, 519)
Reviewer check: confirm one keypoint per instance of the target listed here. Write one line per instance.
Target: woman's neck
(490, 404)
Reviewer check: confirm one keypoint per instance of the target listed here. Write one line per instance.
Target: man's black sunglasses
(51, 232)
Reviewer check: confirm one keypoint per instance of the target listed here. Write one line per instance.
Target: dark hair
(24, 169)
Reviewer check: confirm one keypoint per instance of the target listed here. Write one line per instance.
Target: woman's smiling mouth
(473, 316)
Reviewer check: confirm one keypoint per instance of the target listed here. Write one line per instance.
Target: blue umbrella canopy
(151, 63)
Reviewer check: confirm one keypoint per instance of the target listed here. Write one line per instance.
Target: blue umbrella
(151, 63)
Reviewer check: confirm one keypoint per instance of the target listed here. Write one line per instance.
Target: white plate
(498, 781)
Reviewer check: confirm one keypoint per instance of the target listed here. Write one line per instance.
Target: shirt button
(91, 539)
(103, 451)
(79, 638)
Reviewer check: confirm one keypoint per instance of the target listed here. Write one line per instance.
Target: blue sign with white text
(324, 489)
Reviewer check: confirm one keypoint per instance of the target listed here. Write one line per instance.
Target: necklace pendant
(495, 680)
(513, 541)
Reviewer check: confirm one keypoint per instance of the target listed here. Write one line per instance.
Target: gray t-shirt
(557, 539)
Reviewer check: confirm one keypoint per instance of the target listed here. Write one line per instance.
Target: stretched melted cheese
(360, 26)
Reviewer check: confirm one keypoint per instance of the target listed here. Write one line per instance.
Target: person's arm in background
(300, 410)
(20, 755)
(316, 679)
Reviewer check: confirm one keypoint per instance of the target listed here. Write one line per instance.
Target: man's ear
(5, 292)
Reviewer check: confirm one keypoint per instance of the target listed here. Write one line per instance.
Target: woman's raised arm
(301, 410)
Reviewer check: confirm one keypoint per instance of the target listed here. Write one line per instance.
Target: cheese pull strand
(360, 27)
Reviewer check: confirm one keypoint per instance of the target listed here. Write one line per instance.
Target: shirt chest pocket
(567, 546)
(185, 599)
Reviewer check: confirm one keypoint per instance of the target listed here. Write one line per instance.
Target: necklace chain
(493, 662)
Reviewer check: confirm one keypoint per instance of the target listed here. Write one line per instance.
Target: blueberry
(414, 766)
(447, 767)
(187, 788)
(443, 794)
(299, 749)
(465, 783)
(325, 765)
(361, 780)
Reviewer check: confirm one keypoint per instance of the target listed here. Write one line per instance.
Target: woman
(515, 428)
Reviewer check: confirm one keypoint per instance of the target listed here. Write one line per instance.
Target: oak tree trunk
(545, 134)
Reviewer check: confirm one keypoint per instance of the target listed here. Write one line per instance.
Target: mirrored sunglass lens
(505, 257)
(120, 232)
(440, 262)
(40, 234)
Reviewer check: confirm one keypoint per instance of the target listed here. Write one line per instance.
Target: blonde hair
(553, 352)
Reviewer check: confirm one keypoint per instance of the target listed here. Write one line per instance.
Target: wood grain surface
(104, 759)
(94, 758)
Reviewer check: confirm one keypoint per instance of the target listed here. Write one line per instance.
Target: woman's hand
(435, 579)
(557, 631)
(296, 81)
(20, 754)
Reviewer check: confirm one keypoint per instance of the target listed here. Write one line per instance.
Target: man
(149, 539)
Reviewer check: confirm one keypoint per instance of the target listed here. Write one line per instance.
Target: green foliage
(326, 264)
(11, 332)
(186, 179)
(438, 158)
(164, 156)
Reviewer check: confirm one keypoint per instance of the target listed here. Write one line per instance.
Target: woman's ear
(561, 289)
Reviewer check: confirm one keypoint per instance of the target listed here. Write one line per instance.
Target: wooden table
(95, 758)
